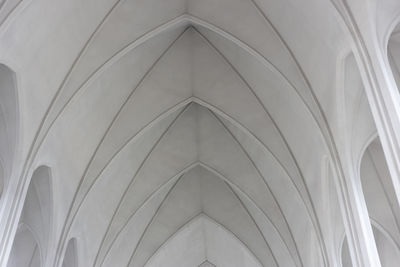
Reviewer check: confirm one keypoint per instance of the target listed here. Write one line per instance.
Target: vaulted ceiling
(183, 127)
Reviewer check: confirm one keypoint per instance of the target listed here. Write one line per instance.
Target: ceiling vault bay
(152, 106)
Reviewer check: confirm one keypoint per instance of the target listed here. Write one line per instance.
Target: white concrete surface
(238, 133)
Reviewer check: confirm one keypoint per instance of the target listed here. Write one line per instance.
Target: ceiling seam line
(20, 185)
(255, 223)
(267, 186)
(264, 61)
(242, 45)
(145, 128)
(225, 180)
(314, 220)
(303, 75)
(261, 104)
(64, 231)
(354, 32)
(30, 155)
(32, 152)
(95, 74)
(142, 131)
(133, 254)
(250, 135)
(237, 237)
(143, 162)
(180, 228)
(328, 141)
(212, 220)
(112, 60)
(190, 18)
(265, 215)
(143, 203)
(314, 97)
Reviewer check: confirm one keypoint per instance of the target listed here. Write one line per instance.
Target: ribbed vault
(256, 153)
(185, 127)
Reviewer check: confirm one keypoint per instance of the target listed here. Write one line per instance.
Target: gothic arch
(71, 254)
(381, 202)
(183, 92)
(389, 254)
(36, 218)
(344, 256)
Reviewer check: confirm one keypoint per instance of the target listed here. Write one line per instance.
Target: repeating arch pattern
(71, 254)
(176, 125)
(33, 235)
(389, 253)
(377, 187)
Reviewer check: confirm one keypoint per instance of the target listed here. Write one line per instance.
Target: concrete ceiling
(185, 127)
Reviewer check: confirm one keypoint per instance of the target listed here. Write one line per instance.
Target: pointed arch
(205, 230)
(381, 202)
(378, 189)
(71, 254)
(389, 254)
(345, 258)
(35, 222)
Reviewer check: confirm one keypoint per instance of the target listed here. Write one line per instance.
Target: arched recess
(8, 123)
(393, 53)
(373, 182)
(35, 222)
(345, 254)
(25, 250)
(381, 203)
(389, 254)
(71, 254)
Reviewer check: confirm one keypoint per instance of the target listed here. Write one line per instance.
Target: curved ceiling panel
(195, 136)
(207, 244)
(378, 191)
(186, 127)
(174, 71)
(199, 192)
(246, 22)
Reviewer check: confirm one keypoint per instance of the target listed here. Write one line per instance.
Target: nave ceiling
(207, 128)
